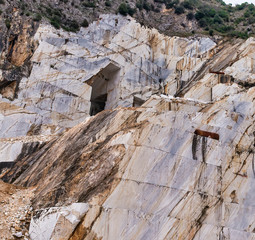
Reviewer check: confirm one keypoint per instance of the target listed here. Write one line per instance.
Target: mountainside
(114, 62)
(171, 17)
(149, 173)
(117, 131)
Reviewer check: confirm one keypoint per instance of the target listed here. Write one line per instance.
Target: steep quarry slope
(152, 172)
(114, 62)
(69, 71)
(170, 155)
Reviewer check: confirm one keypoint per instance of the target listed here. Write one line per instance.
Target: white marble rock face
(114, 56)
(58, 222)
(173, 183)
(122, 58)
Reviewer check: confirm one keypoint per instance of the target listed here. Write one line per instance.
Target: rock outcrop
(134, 135)
(114, 62)
(171, 169)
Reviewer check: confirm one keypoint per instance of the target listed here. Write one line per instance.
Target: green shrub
(238, 20)
(217, 19)
(85, 23)
(223, 14)
(57, 12)
(37, 17)
(123, 10)
(139, 5)
(212, 12)
(190, 16)
(55, 21)
(243, 35)
(73, 25)
(187, 4)
(202, 23)
(7, 23)
(221, 2)
(131, 11)
(89, 4)
(169, 5)
(55, 24)
(247, 14)
(199, 15)
(108, 4)
(146, 6)
(251, 20)
(48, 11)
(179, 10)
(241, 7)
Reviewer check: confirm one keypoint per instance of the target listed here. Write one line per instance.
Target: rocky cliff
(120, 132)
(114, 62)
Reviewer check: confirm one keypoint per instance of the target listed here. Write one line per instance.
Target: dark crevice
(5, 165)
(245, 84)
(204, 147)
(194, 146)
(98, 104)
(253, 168)
(12, 42)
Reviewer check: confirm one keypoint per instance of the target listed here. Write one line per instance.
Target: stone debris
(28, 139)
(18, 234)
(15, 212)
(62, 221)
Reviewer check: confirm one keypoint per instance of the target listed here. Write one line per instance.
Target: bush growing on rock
(179, 10)
(37, 17)
(190, 16)
(125, 9)
(89, 4)
(108, 3)
(85, 23)
(7, 23)
(187, 4)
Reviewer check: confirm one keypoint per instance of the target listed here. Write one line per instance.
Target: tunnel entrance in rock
(105, 89)
(98, 104)
(137, 102)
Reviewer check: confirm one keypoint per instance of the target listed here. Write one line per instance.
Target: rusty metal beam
(211, 71)
(212, 135)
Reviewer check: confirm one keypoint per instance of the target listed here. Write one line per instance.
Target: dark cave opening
(98, 104)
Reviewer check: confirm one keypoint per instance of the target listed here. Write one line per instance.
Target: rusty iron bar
(212, 135)
(216, 72)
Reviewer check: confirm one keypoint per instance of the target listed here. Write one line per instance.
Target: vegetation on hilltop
(212, 16)
(217, 16)
(169, 16)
